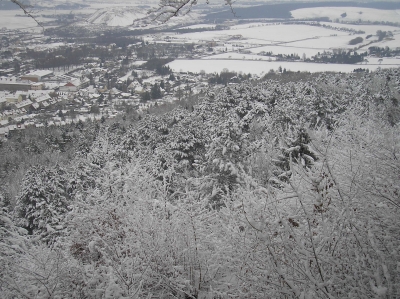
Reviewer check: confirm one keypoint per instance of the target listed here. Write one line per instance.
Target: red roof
(69, 84)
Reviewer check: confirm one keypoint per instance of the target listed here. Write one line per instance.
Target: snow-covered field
(289, 49)
(384, 61)
(393, 44)
(353, 14)
(263, 67)
(199, 26)
(265, 34)
(327, 42)
(369, 29)
(14, 19)
(288, 39)
(238, 56)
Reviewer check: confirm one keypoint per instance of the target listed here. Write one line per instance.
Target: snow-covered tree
(44, 200)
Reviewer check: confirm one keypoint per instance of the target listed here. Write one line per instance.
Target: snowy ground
(14, 19)
(239, 56)
(353, 14)
(119, 16)
(327, 42)
(263, 67)
(290, 39)
(264, 33)
(46, 46)
(384, 61)
(369, 29)
(199, 26)
(289, 49)
(393, 44)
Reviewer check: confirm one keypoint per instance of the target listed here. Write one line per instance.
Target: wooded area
(273, 189)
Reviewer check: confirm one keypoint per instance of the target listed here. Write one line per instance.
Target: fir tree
(44, 200)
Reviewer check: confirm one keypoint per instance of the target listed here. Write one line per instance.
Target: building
(74, 85)
(5, 72)
(37, 76)
(13, 84)
(23, 104)
(15, 98)
(37, 86)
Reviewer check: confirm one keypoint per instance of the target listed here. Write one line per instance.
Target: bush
(356, 41)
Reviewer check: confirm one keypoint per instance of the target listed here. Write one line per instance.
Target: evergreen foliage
(155, 92)
(44, 200)
(264, 190)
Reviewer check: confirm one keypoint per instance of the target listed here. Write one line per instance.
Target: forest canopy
(273, 189)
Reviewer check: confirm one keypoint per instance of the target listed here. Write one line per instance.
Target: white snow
(46, 46)
(393, 44)
(369, 29)
(14, 19)
(139, 62)
(118, 16)
(263, 67)
(353, 14)
(288, 49)
(248, 25)
(328, 42)
(265, 34)
(385, 61)
(239, 56)
(199, 26)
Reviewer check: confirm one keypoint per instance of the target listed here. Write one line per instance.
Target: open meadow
(255, 47)
(263, 67)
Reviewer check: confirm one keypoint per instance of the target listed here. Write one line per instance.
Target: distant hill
(121, 16)
(282, 10)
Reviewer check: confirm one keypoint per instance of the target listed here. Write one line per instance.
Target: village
(51, 78)
(94, 88)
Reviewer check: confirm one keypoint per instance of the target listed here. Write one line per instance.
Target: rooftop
(40, 73)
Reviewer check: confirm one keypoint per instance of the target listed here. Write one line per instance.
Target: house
(125, 95)
(23, 104)
(102, 89)
(16, 98)
(69, 87)
(37, 86)
(74, 85)
(5, 72)
(42, 98)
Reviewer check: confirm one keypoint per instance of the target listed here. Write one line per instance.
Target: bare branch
(168, 9)
(26, 12)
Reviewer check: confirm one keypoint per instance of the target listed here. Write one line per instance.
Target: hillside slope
(279, 189)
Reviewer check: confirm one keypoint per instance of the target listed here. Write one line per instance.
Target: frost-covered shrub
(138, 223)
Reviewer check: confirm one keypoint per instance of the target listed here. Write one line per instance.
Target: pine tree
(297, 150)
(44, 200)
(145, 97)
(155, 92)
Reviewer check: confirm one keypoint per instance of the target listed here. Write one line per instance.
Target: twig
(23, 7)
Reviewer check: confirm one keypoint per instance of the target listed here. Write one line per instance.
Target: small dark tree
(43, 200)
(156, 92)
(145, 97)
(381, 34)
